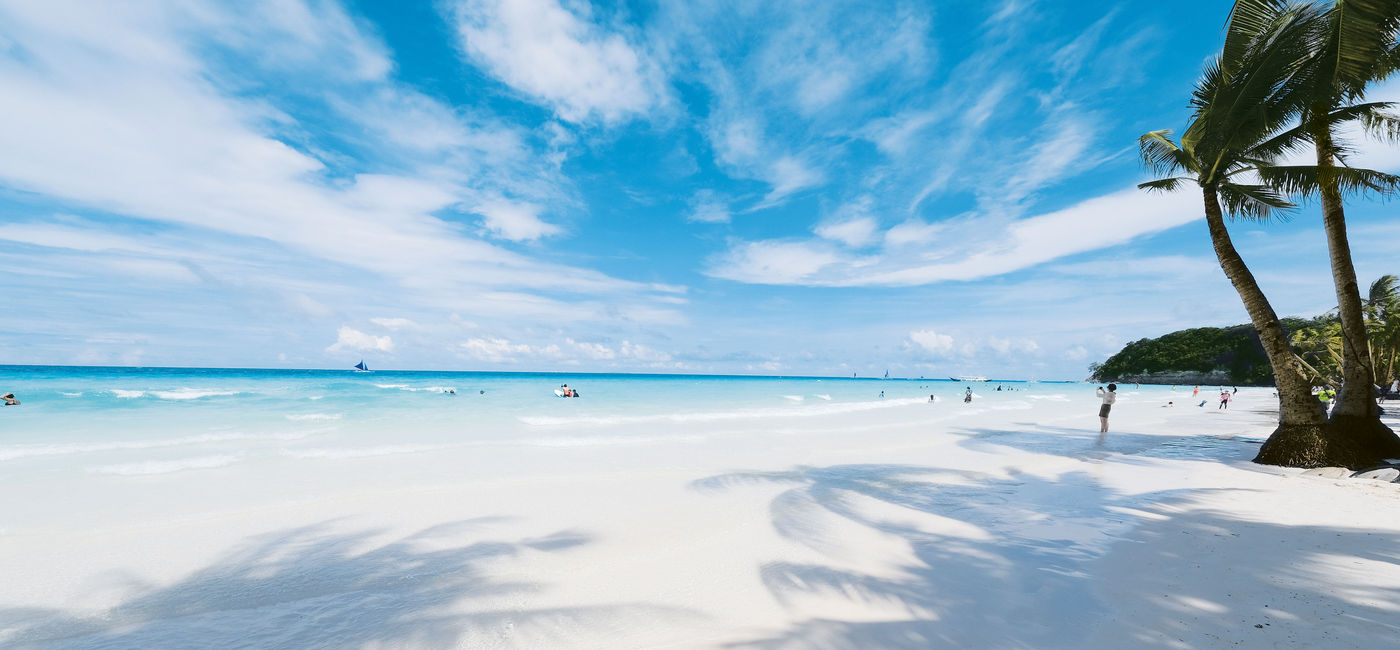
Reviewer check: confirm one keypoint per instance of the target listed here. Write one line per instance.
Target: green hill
(1205, 355)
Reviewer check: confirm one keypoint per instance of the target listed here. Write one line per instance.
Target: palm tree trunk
(1356, 414)
(1297, 407)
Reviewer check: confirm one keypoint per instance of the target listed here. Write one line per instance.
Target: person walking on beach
(1224, 400)
(1196, 390)
(1109, 397)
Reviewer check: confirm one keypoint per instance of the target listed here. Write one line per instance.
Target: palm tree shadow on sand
(1001, 562)
(318, 586)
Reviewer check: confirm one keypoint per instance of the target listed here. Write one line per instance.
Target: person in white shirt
(1109, 397)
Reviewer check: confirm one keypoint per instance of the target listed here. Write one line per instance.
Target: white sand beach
(908, 524)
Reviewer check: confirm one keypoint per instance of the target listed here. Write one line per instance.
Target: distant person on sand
(967, 399)
(1168, 405)
(882, 394)
(1224, 400)
(1109, 397)
(1196, 390)
(10, 399)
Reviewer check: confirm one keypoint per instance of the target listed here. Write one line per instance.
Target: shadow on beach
(1025, 561)
(317, 586)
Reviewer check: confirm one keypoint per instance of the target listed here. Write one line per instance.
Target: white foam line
(809, 411)
(29, 451)
(313, 416)
(362, 452)
(150, 467)
(191, 393)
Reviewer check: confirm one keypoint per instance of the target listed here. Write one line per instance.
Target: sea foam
(806, 411)
(166, 466)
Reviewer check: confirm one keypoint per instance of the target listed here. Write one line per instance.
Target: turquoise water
(94, 403)
(93, 427)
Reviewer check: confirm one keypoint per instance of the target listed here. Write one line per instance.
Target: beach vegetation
(1202, 355)
(1288, 75)
(1353, 46)
(1244, 106)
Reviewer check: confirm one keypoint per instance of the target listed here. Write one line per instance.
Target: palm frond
(1160, 154)
(1164, 184)
(1386, 288)
(1305, 180)
(1248, 20)
(1259, 202)
(1373, 117)
(1361, 34)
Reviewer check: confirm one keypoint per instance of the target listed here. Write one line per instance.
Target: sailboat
(887, 374)
(361, 367)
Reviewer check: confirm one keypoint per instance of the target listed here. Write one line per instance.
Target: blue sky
(763, 188)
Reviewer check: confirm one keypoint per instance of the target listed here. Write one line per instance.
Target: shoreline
(995, 524)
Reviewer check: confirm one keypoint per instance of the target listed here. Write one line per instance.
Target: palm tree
(1242, 104)
(1354, 45)
(1383, 326)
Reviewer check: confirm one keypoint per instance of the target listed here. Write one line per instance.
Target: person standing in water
(1109, 397)
(967, 399)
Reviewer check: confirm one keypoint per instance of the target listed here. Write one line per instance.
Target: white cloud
(771, 262)
(938, 344)
(912, 232)
(562, 58)
(855, 232)
(971, 248)
(514, 221)
(708, 207)
(643, 353)
(945, 345)
(498, 350)
(393, 323)
(789, 174)
(96, 117)
(851, 224)
(352, 339)
(596, 351)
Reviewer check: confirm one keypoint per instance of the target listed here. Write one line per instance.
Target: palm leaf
(1164, 184)
(1160, 154)
(1304, 180)
(1252, 201)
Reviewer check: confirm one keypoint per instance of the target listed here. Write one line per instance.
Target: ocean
(113, 443)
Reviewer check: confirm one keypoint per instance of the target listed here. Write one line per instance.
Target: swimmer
(10, 399)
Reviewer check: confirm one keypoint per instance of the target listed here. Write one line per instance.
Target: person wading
(1109, 397)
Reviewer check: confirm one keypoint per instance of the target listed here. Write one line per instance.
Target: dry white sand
(998, 524)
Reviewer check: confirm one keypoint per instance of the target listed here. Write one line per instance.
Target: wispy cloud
(974, 248)
(560, 57)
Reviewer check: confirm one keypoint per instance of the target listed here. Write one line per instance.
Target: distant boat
(968, 378)
(361, 367)
(887, 374)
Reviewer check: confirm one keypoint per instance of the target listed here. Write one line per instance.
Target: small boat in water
(968, 378)
(361, 367)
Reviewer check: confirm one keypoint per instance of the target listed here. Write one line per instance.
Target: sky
(791, 188)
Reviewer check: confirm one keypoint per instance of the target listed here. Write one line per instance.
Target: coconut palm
(1383, 327)
(1354, 46)
(1243, 105)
